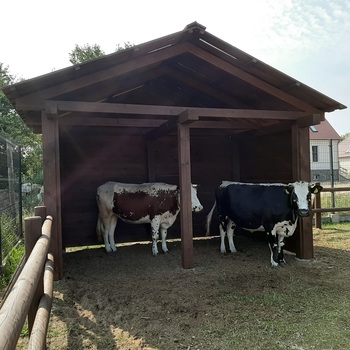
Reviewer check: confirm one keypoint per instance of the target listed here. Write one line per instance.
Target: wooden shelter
(187, 107)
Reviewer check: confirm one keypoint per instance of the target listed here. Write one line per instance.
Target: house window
(315, 153)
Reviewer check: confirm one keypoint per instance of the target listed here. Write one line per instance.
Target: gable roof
(191, 68)
(344, 148)
(323, 131)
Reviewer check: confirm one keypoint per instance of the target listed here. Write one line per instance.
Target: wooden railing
(317, 210)
(31, 293)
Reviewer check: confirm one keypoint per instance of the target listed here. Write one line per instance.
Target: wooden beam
(51, 109)
(164, 129)
(52, 184)
(105, 121)
(301, 168)
(313, 119)
(188, 117)
(252, 80)
(117, 108)
(185, 195)
(274, 128)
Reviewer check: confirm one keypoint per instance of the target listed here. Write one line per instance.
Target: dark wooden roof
(190, 68)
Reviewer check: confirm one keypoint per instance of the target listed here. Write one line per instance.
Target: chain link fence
(10, 198)
(330, 161)
(330, 165)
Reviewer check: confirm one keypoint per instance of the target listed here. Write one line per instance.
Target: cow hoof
(274, 264)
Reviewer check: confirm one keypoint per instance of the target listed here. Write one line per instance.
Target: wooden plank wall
(266, 158)
(91, 156)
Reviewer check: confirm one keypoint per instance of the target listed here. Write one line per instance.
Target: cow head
(196, 205)
(300, 196)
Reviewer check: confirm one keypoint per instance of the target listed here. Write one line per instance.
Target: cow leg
(112, 226)
(163, 233)
(222, 235)
(155, 235)
(103, 225)
(273, 247)
(230, 227)
(280, 245)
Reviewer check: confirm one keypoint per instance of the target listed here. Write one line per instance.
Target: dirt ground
(132, 300)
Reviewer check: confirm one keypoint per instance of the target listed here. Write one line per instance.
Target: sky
(308, 40)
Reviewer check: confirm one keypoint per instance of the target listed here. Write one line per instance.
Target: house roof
(323, 131)
(190, 68)
(344, 148)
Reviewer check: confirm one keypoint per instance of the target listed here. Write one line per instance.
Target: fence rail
(31, 294)
(318, 210)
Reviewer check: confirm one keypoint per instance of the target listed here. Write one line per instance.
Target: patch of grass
(11, 265)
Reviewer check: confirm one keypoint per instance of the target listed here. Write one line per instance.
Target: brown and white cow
(154, 203)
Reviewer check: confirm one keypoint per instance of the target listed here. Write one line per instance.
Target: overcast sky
(306, 39)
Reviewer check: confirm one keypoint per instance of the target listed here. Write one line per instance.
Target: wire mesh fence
(330, 165)
(330, 161)
(10, 197)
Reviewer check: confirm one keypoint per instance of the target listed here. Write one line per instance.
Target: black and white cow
(273, 208)
(154, 203)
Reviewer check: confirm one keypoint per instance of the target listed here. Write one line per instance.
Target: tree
(13, 128)
(85, 53)
(89, 52)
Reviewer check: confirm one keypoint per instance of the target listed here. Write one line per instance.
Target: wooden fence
(317, 210)
(31, 293)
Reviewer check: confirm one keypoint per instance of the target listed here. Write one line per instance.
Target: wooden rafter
(250, 79)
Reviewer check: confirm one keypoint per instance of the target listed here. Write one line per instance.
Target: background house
(324, 157)
(344, 158)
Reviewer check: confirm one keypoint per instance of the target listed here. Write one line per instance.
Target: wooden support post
(32, 231)
(52, 183)
(185, 195)
(301, 171)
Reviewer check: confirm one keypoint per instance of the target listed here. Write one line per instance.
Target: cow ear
(316, 189)
(288, 189)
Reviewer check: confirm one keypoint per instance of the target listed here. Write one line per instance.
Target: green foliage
(13, 128)
(89, 52)
(127, 45)
(11, 265)
(85, 53)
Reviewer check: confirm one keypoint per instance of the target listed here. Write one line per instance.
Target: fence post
(318, 216)
(32, 231)
(40, 211)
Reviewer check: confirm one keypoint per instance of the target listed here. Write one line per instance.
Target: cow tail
(208, 220)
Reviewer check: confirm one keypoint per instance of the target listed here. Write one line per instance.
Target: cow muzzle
(303, 212)
(197, 209)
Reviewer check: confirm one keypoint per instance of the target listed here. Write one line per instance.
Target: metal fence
(330, 161)
(10, 197)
